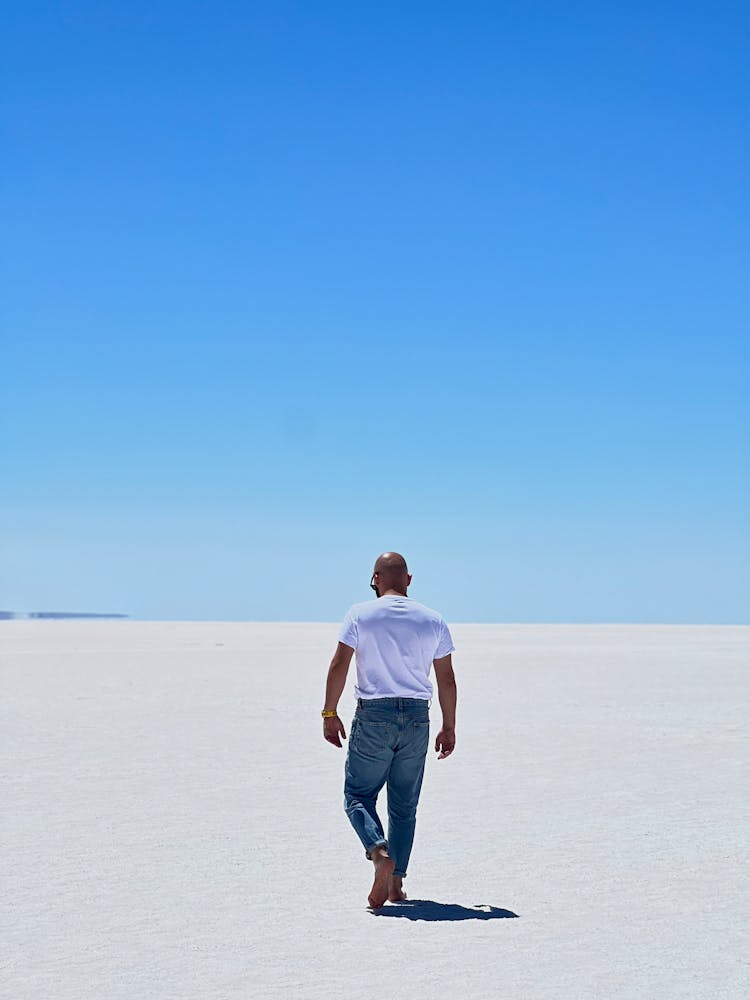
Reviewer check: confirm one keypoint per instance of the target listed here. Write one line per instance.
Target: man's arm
(447, 693)
(333, 728)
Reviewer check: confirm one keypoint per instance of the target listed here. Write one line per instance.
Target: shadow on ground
(427, 909)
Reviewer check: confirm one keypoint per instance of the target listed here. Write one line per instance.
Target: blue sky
(289, 284)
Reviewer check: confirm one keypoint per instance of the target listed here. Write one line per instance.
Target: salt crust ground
(172, 819)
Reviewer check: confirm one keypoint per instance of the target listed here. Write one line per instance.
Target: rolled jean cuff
(397, 874)
(371, 848)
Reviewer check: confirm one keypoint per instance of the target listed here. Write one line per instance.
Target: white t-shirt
(396, 640)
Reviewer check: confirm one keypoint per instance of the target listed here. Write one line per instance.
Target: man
(396, 640)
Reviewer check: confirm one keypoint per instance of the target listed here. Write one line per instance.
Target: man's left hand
(333, 728)
(445, 742)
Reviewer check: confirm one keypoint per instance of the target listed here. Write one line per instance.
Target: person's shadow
(428, 909)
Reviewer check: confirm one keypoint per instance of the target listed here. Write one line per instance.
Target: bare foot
(384, 865)
(395, 892)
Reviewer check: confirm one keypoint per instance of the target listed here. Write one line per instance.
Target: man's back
(396, 639)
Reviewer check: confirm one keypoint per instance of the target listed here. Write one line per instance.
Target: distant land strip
(4, 615)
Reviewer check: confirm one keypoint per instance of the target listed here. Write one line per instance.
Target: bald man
(397, 641)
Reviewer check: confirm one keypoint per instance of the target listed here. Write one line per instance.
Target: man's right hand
(445, 742)
(333, 730)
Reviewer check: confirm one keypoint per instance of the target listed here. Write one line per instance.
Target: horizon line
(100, 616)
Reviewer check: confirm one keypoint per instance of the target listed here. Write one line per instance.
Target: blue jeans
(387, 743)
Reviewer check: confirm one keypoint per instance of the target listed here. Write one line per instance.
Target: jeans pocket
(371, 736)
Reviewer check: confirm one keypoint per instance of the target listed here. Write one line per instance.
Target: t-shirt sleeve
(445, 642)
(348, 630)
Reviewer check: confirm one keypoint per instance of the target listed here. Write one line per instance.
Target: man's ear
(408, 577)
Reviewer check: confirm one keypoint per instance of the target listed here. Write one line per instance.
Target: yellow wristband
(329, 715)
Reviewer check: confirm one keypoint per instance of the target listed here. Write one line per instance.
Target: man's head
(390, 575)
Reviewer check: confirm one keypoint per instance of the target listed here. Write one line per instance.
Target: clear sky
(290, 284)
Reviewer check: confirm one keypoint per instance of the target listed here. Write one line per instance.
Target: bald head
(391, 574)
(391, 562)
